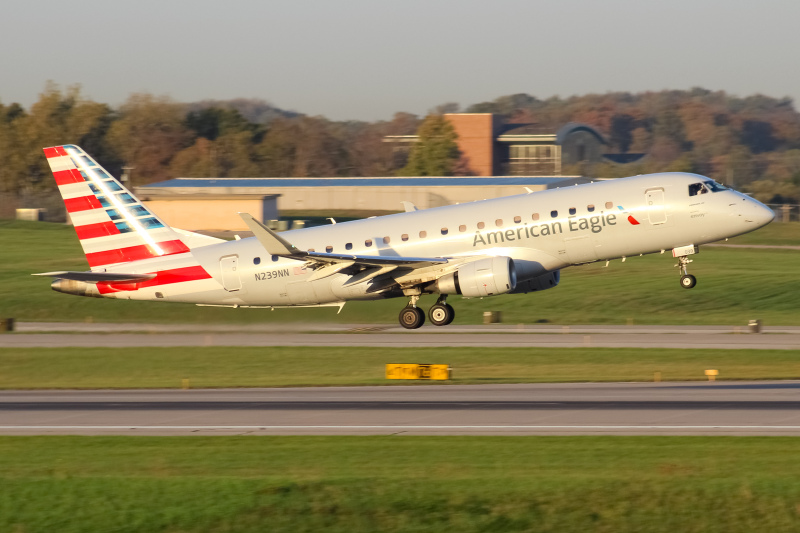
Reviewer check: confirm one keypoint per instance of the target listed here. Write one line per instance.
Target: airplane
(511, 245)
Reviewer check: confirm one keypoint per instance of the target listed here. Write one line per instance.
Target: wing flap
(274, 244)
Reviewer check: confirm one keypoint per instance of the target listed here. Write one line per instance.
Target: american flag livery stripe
(65, 177)
(164, 277)
(55, 151)
(101, 229)
(82, 203)
(134, 253)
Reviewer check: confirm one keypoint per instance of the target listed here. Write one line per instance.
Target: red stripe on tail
(101, 229)
(54, 151)
(65, 177)
(164, 277)
(134, 253)
(82, 203)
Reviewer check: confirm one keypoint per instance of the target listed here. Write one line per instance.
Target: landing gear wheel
(688, 281)
(441, 314)
(412, 317)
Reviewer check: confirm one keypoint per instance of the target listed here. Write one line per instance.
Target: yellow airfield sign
(417, 371)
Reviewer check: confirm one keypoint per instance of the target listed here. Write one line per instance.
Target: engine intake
(484, 277)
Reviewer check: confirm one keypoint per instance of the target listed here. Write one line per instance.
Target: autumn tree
(148, 133)
(303, 147)
(436, 151)
(56, 118)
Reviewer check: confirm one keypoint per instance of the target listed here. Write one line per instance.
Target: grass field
(734, 286)
(419, 484)
(75, 368)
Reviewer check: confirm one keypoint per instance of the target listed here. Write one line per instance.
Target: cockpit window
(714, 186)
(697, 188)
(705, 186)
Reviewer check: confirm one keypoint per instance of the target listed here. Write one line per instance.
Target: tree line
(752, 142)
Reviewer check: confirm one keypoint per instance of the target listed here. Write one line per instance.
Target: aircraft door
(654, 200)
(230, 273)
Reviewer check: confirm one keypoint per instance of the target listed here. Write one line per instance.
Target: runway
(692, 408)
(520, 336)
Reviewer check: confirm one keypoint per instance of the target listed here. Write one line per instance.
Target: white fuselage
(542, 232)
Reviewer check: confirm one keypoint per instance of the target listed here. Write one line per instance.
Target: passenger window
(462, 228)
(329, 249)
(348, 246)
(274, 258)
(368, 243)
(444, 231)
(423, 234)
(590, 208)
(386, 240)
(609, 205)
(311, 250)
(404, 237)
(572, 210)
(553, 214)
(535, 216)
(256, 260)
(517, 219)
(481, 225)
(498, 222)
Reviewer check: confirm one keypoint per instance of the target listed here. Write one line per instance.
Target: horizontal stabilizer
(97, 277)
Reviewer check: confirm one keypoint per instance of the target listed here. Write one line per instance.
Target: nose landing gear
(687, 280)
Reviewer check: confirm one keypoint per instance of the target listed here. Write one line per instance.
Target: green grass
(415, 484)
(735, 285)
(59, 368)
(775, 234)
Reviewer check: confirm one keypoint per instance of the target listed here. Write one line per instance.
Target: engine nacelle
(539, 283)
(484, 277)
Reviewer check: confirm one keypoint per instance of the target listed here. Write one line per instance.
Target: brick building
(495, 148)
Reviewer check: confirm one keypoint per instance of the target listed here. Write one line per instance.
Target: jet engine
(539, 283)
(484, 277)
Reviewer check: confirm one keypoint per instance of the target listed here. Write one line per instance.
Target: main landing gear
(412, 317)
(442, 313)
(687, 280)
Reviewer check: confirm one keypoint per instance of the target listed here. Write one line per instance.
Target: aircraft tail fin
(112, 224)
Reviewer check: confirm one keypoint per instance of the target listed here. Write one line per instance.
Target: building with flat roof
(496, 148)
(214, 203)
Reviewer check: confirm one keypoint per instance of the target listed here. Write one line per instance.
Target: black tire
(441, 314)
(412, 317)
(452, 313)
(688, 281)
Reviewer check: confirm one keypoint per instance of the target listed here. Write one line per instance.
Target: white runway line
(251, 428)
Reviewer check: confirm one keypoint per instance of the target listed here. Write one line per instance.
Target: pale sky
(366, 59)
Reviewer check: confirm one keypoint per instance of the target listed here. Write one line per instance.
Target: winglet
(273, 243)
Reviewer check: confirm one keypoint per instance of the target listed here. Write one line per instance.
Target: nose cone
(757, 213)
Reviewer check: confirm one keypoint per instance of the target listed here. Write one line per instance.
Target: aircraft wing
(274, 244)
(96, 277)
